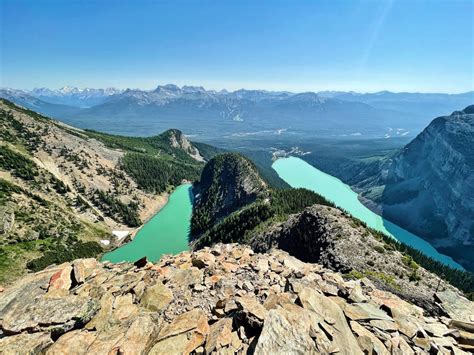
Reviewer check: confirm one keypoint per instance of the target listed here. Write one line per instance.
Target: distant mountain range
(433, 104)
(73, 96)
(211, 113)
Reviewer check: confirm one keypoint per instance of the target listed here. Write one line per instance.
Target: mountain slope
(422, 104)
(22, 98)
(224, 300)
(310, 228)
(428, 187)
(228, 182)
(329, 237)
(61, 187)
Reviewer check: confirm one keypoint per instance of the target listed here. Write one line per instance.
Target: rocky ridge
(178, 140)
(225, 299)
(330, 237)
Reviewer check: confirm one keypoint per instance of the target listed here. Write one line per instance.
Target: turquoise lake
(165, 233)
(298, 173)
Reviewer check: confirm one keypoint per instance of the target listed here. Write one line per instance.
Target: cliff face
(428, 188)
(228, 182)
(221, 300)
(177, 140)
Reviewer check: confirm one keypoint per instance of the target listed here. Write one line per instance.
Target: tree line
(156, 175)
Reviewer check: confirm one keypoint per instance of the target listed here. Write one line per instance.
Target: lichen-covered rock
(263, 304)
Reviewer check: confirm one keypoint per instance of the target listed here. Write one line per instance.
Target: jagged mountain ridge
(427, 187)
(337, 110)
(422, 103)
(213, 113)
(34, 103)
(221, 300)
(243, 109)
(73, 96)
(61, 187)
(426, 104)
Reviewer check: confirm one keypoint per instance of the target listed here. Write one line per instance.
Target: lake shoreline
(166, 232)
(299, 173)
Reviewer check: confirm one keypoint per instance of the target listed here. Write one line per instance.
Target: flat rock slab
(47, 312)
(342, 338)
(457, 307)
(365, 311)
(286, 332)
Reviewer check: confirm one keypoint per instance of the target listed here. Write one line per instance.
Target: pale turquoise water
(298, 173)
(166, 233)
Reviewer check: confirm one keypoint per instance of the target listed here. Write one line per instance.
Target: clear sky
(297, 45)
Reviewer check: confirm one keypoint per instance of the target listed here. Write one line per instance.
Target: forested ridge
(238, 226)
(154, 162)
(228, 182)
(157, 175)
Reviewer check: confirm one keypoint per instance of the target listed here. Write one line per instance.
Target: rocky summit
(225, 299)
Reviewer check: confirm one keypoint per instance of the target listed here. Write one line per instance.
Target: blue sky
(411, 45)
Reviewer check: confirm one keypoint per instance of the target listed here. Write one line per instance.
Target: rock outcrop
(227, 300)
(177, 140)
(428, 187)
(228, 182)
(330, 237)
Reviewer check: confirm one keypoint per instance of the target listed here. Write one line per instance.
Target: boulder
(34, 343)
(77, 342)
(458, 307)
(286, 332)
(139, 338)
(368, 342)
(203, 259)
(251, 310)
(187, 277)
(61, 279)
(324, 307)
(47, 312)
(157, 297)
(184, 334)
(365, 311)
(220, 335)
(83, 268)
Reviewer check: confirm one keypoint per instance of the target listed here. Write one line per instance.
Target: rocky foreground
(225, 300)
